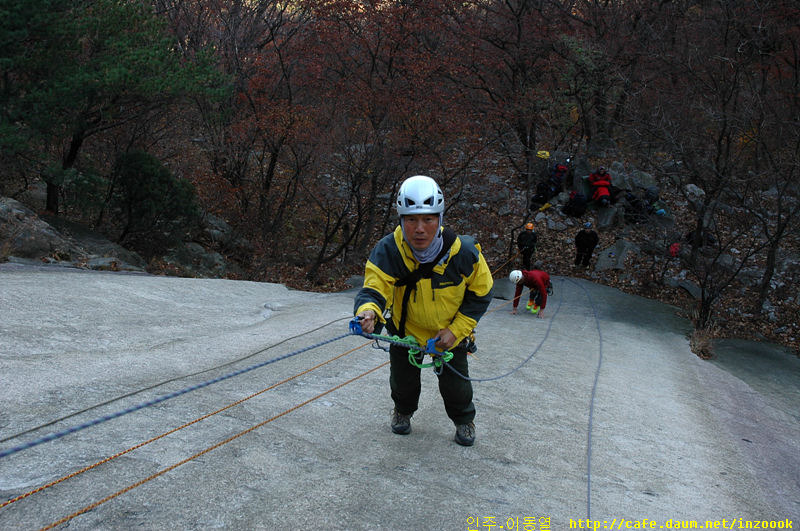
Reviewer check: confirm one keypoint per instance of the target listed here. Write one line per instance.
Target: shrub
(154, 207)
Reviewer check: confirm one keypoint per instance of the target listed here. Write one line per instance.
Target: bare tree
(773, 141)
(249, 138)
(506, 69)
(699, 110)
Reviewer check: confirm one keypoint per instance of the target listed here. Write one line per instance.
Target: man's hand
(445, 339)
(539, 313)
(368, 318)
(513, 311)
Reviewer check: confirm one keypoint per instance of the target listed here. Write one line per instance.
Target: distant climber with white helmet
(436, 285)
(539, 284)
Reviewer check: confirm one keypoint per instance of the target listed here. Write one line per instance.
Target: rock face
(99, 248)
(24, 236)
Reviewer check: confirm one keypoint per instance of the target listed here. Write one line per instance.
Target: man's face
(420, 229)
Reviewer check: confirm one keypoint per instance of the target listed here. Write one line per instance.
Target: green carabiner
(436, 362)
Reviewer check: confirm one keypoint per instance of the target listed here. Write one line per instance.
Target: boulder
(694, 192)
(194, 260)
(609, 217)
(220, 235)
(613, 257)
(644, 180)
(24, 234)
(690, 287)
(99, 249)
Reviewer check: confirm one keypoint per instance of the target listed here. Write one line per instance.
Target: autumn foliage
(295, 122)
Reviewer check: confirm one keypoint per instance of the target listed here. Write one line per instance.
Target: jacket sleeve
(477, 295)
(543, 292)
(378, 289)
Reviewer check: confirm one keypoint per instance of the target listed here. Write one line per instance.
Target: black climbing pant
(404, 380)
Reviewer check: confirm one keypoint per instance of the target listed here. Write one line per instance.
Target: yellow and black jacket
(455, 297)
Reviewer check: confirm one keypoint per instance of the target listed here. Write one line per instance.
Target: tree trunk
(54, 189)
(704, 311)
(769, 271)
(265, 201)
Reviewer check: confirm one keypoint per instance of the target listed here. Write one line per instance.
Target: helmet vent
(410, 202)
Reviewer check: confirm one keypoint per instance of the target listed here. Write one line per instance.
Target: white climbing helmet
(419, 195)
(515, 276)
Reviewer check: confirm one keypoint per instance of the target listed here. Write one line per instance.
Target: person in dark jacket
(635, 208)
(576, 205)
(539, 284)
(526, 243)
(557, 177)
(541, 197)
(585, 242)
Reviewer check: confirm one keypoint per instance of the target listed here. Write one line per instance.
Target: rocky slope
(632, 257)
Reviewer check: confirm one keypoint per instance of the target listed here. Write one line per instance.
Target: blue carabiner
(430, 347)
(355, 326)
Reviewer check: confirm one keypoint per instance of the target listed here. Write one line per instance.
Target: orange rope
(505, 263)
(207, 450)
(195, 421)
(200, 419)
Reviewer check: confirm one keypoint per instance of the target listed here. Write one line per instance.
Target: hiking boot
(401, 424)
(465, 434)
(534, 309)
(529, 306)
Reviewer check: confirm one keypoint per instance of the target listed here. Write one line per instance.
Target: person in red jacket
(539, 284)
(601, 182)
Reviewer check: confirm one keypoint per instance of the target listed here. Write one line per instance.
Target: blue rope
(591, 404)
(158, 400)
(356, 329)
(526, 360)
(594, 387)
